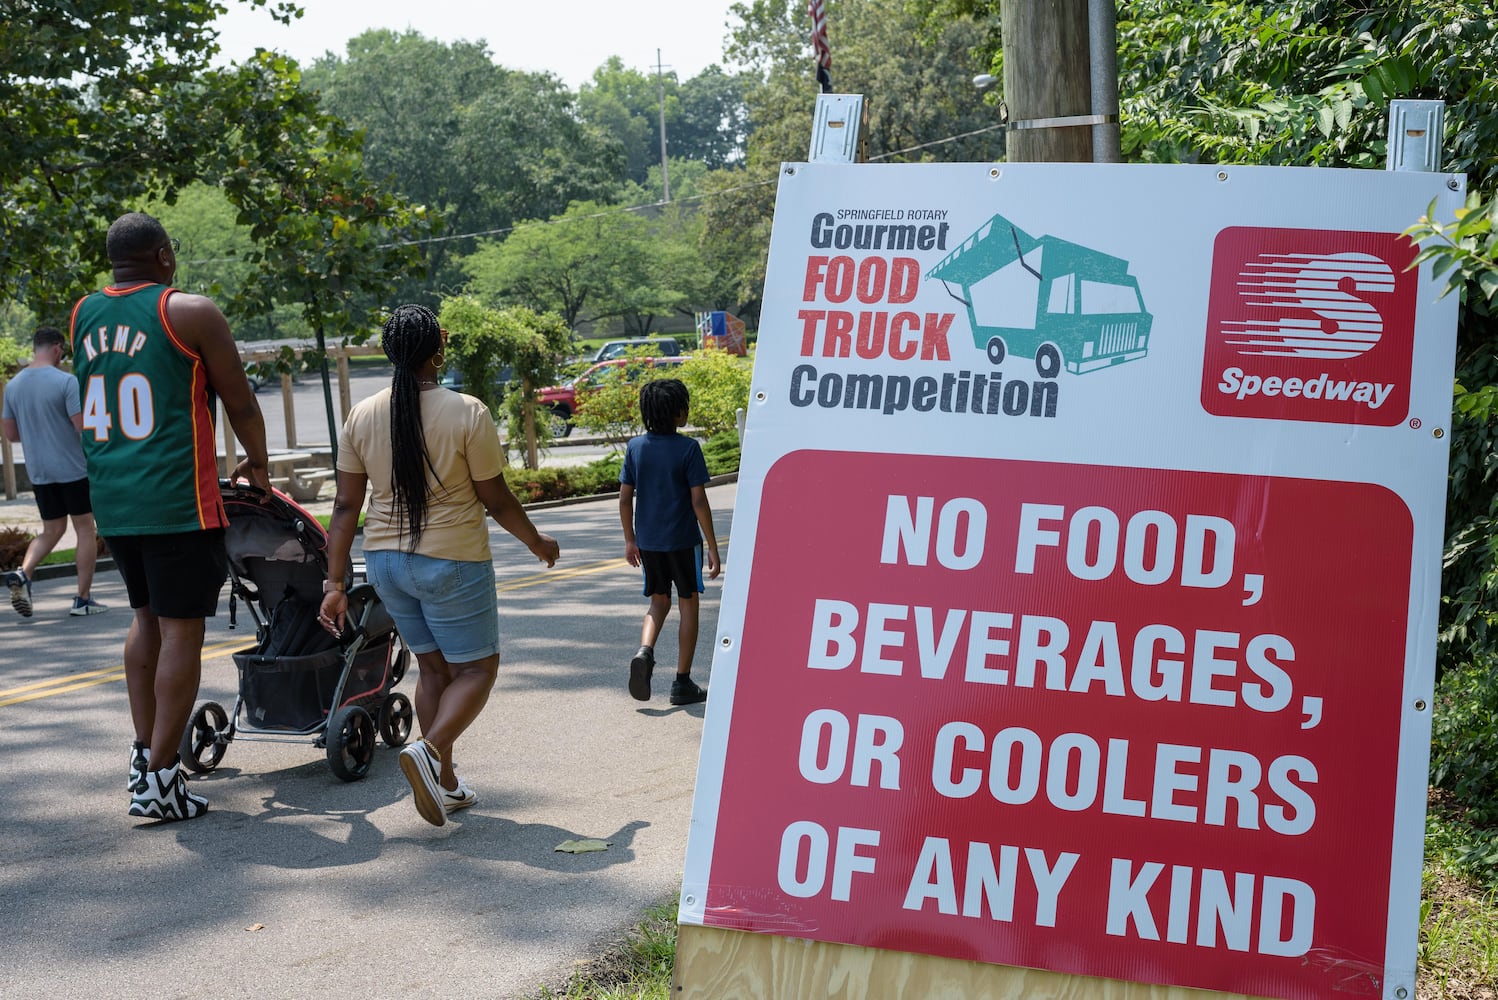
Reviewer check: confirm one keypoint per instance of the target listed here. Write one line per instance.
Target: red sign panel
(1128, 723)
(1307, 324)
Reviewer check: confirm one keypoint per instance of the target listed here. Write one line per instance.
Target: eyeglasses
(174, 243)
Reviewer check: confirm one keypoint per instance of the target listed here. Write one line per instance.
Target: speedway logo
(1307, 324)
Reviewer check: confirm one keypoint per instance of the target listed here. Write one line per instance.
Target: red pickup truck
(566, 399)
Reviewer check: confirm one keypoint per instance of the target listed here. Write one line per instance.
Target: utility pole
(660, 87)
(1047, 86)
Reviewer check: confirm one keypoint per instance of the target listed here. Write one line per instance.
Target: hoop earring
(439, 359)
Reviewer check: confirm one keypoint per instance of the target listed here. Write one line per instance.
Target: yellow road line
(543, 576)
(75, 682)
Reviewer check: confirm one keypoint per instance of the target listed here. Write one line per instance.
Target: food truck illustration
(1046, 298)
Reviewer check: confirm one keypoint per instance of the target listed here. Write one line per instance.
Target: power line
(635, 208)
(938, 142)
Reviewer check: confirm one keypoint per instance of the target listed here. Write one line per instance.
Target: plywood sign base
(717, 964)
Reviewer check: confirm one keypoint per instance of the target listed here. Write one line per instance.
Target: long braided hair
(410, 337)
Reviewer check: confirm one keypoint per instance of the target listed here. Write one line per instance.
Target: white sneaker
(459, 798)
(422, 767)
(87, 606)
(162, 795)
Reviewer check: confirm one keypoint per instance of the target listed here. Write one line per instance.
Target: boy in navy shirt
(661, 534)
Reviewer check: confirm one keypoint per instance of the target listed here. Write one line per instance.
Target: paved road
(299, 885)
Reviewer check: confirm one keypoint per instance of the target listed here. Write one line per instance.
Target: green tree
(406, 93)
(1308, 83)
(914, 75)
(706, 116)
(482, 146)
(214, 259)
(482, 340)
(101, 109)
(591, 262)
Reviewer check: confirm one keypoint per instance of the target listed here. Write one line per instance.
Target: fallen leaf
(255, 927)
(582, 846)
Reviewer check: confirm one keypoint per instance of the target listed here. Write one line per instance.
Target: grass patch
(638, 969)
(1457, 953)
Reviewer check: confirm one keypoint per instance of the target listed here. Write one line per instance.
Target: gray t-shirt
(42, 402)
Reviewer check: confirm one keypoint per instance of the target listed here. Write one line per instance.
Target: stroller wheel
(395, 719)
(351, 742)
(206, 738)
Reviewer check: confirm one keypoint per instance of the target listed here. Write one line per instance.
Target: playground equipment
(723, 331)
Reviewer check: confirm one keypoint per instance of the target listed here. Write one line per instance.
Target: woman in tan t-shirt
(431, 459)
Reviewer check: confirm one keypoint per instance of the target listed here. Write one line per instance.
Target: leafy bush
(719, 384)
(483, 340)
(13, 542)
(722, 453)
(1464, 733)
(561, 482)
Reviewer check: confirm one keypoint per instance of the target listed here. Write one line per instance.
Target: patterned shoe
(87, 606)
(459, 798)
(422, 767)
(140, 762)
(20, 592)
(163, 795)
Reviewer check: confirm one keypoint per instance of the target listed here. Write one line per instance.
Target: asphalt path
(297, 884)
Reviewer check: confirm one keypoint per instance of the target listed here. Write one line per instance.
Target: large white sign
(1086, 563)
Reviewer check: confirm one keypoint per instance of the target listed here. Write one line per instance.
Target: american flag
(819, 42)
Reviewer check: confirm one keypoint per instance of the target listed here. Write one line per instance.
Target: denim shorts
(438, 604)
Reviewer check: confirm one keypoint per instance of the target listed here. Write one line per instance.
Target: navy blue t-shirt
(663, 468)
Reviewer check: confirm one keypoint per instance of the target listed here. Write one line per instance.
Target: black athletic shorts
(56, 500)
(682, 567)
(177, 575)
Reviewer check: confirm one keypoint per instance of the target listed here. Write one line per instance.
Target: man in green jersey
(149, 360)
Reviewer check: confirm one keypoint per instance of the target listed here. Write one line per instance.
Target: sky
(569, 39)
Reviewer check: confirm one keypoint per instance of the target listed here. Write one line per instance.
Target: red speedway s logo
(1309, 324)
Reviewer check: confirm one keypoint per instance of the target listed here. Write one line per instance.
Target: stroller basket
(297, 675)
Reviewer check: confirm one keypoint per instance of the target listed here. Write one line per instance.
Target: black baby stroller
(298, 681)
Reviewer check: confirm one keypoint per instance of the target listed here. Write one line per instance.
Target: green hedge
(602, 476)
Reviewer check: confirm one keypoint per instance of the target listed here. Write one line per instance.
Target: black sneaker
(684, 691)
(640, 669)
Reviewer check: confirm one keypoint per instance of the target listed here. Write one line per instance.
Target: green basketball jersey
(147, 416)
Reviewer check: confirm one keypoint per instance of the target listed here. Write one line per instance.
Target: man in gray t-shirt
(42, 411)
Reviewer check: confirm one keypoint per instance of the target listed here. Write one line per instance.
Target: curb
(57, 571)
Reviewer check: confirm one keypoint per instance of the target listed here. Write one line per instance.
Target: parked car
(564, 400)
(453, 379)
(664, 346)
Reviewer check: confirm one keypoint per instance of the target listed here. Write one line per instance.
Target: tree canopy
(481, 145)
(106, 110)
